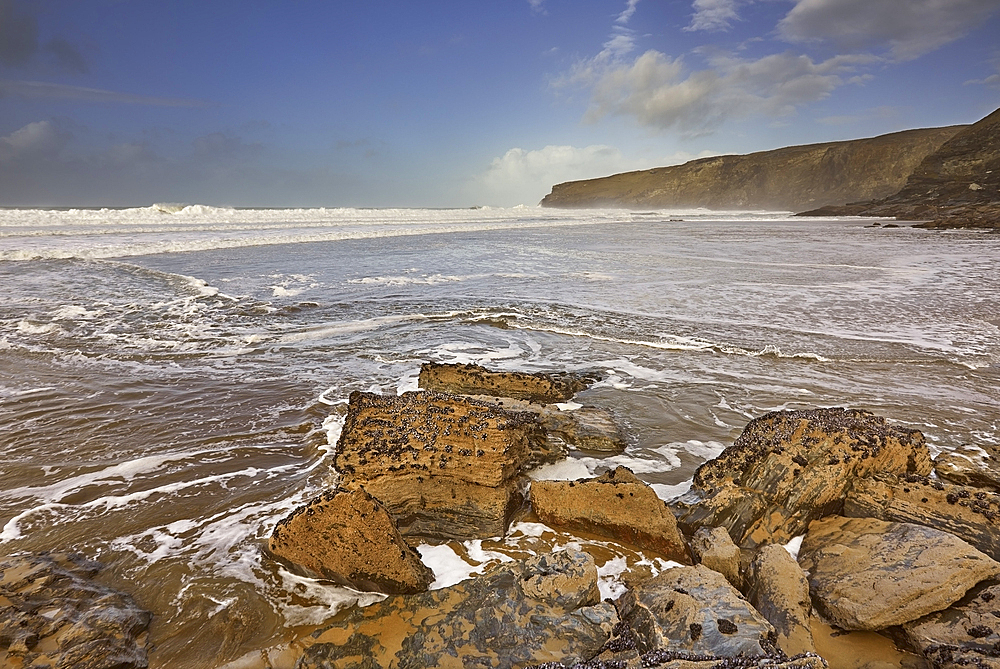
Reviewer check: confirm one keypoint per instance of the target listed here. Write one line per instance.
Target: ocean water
(173, 379)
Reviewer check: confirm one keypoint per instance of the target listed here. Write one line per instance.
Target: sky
(387, 103)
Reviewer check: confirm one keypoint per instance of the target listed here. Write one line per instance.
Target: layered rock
(791, 178)
(616, 505)
(964, 635)
(970, 465)
(969, 513)
(790, 467)
(695, 610)
(544, 609)
(52, 614)
(867, 574)
(714, 548)
(444, 467)
(475, 380)
(346, 536)
(779, 590)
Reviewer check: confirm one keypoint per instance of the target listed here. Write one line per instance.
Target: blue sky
(391, 103)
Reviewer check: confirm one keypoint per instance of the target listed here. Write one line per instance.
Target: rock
(969, 513)
(778, 589)
(444, 467)
(544, 609)
(790, 467)
(964, 635)
(346, 536)
(616, 505)
(792, 178)
(53, 615)
(971, 466)
(476, 380)
(714, 548)
(867, 574)
(695, 610)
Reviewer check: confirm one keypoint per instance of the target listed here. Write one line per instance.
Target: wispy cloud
(45, 90)
(713, 15)
(906, 29)
(627, 13)
(537, 6)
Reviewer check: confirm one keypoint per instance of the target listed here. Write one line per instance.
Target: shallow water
(172, 384)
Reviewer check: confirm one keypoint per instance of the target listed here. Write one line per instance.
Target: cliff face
(958, 185)
(793, 178)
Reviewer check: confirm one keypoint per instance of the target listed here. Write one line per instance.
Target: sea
(173, 379)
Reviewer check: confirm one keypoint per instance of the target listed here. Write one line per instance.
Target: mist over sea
(173, 379)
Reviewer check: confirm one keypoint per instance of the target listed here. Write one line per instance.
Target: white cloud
(713, 15)
(661, 92)
(905, 28)
(537, 6)
(624, 17)
(41, 139)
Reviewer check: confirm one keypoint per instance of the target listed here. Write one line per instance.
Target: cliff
(792, 178)
(958, 185)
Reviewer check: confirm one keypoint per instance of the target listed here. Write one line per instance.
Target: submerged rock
(475, 380)
(544, 609)
(714, 548)
(444, 467)
(779, 590)
(969, 513)
(867, 574)
(695, 610)
(346, 536)
(790, 467)
(52, 614)
(964, 635)
(616, 505)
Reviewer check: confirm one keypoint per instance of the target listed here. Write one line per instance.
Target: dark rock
(971, 466)
(778, 589)
(790, 467)
(695, 610)
(444, 467)
(52, 614)
(616, 505)
(964, 635)
(545, 609)
(346, 536)
(476, 380)
(792, 178)
(867, 574)
(969, 513)
(714, 548)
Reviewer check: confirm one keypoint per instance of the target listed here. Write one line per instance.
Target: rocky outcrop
(544, 609)
(616, 505)
(867, 574)
(968, 513)
(714, 548)
(52, 614)
(779, 590)
(792, 178)
(475, 380)
(696, 610)
(970, 465)
(444, 467)
(790, 467)
(965, 635)
(957, 185)
(346, 536)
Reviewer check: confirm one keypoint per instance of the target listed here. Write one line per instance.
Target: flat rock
(969, 513)
(52, 614)
(714, 548)
(444, 467)
(695, 610)
(475, 380)
(970, 465)
(964, 635)
(867, 574)
(346, 536)
(779, 590)
(790, 467)
(544, 609)
(616, 505)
